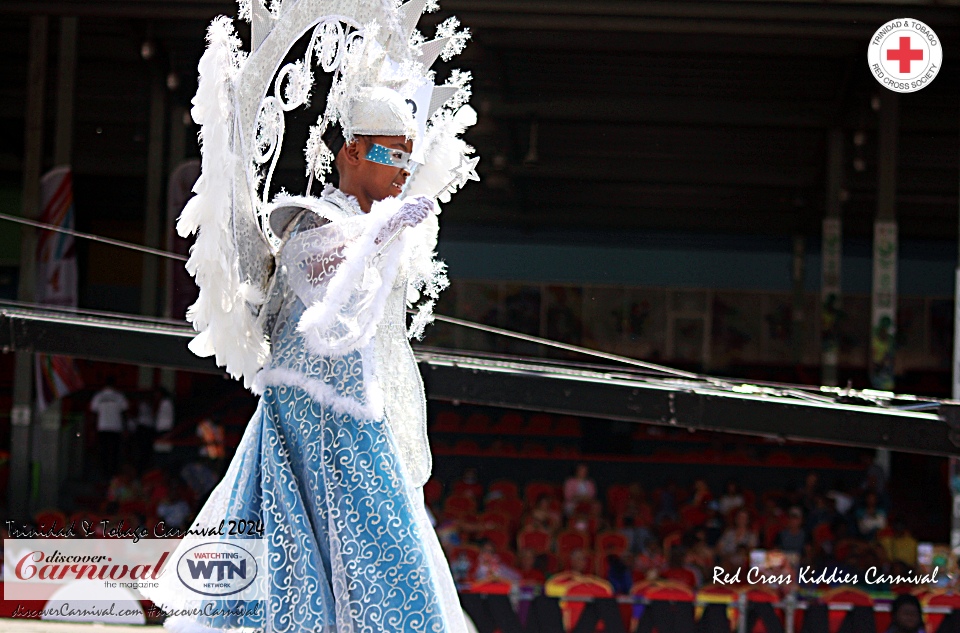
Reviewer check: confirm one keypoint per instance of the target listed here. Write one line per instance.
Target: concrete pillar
(884, 294)
(22, 414)
(831, 255)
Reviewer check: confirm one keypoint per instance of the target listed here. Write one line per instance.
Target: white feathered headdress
(241, 104)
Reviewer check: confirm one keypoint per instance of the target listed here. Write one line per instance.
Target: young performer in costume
(305, 298)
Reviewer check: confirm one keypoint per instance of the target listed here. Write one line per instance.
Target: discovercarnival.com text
(65, 610)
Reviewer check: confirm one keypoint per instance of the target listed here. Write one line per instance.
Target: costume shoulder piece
(367, 47)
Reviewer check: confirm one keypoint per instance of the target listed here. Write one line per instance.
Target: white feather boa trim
(360, 259)
(323, 393)
(227, 328)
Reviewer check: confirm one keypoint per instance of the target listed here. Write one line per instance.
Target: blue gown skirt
(349, 548)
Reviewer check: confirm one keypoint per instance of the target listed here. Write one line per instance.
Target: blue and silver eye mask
(388, 156)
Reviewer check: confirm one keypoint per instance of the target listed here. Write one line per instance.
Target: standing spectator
(530, 574)
(618, 574)
(212, 446)
(793, 538)
(901, 545)
(740, 533)
(579, 489)
(109, 405)
(165, 411)
(732, 498)
(637, 535)
(649, 563)
(871, 518)
(490, 567)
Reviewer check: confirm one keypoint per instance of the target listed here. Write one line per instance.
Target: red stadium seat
(476, 423)
(618, 495)
(432, 491)
(611, 542)
(537, 540)
(447, 422)
(539, 424)
(571, 540)
(508, 489)
(458, 505)
(536, 489)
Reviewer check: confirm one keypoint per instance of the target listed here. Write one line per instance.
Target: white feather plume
(227, 328)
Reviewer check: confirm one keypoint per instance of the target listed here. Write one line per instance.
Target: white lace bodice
(336, 322)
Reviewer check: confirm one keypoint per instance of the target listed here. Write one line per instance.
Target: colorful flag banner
(56, 279)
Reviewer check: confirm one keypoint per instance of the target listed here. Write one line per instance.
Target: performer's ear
(353, 152)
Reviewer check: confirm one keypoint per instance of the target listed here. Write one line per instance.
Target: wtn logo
(218, 568)
(224, 569)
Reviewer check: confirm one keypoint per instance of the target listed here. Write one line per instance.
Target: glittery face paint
(388, 156)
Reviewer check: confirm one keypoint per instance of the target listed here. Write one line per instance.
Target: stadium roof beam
(787, 412)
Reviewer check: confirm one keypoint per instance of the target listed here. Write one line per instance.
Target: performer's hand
(410, 213)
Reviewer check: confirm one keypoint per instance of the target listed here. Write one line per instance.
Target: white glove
(410, 214)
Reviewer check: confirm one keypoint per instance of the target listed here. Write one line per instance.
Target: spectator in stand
(109, 405)
(701, 493)
(871, 518)
(579, 492)
(618, 574)
(821, 513)
(469, 485)
(530, 574)
(637, 535)
(649, 563)
(901, 546)
(811, 490)
(906, 616)
(638, 506)
(681, 570)
(842, 499)
(461, 568)
(544, 517)
(731, 499)
(739, 559)
(771, 522)
(578, 562)
(667, 506)
(793, 538)
(874, 478)
(448, 532)
(700, 554)
(738, 534)
(490, 567)
(165, 410)
(713, 524)
(212, 444)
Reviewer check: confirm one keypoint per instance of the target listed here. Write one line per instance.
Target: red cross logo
(905, 54)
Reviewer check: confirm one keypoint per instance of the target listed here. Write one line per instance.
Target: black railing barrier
(501, 613)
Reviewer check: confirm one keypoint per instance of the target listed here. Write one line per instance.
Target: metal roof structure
(609, 115)
(654, 395)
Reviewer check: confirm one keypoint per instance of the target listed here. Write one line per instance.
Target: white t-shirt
(164, 415)
(109, 404)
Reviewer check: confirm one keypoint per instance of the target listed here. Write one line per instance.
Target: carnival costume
(305, 299)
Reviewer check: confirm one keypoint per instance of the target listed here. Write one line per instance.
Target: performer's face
(382, 180)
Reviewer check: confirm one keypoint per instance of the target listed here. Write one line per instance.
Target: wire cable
(95, 238)
(679, 373)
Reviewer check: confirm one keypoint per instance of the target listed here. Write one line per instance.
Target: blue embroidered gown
(333, 459)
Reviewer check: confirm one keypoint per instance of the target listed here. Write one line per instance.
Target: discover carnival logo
(905, 55)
